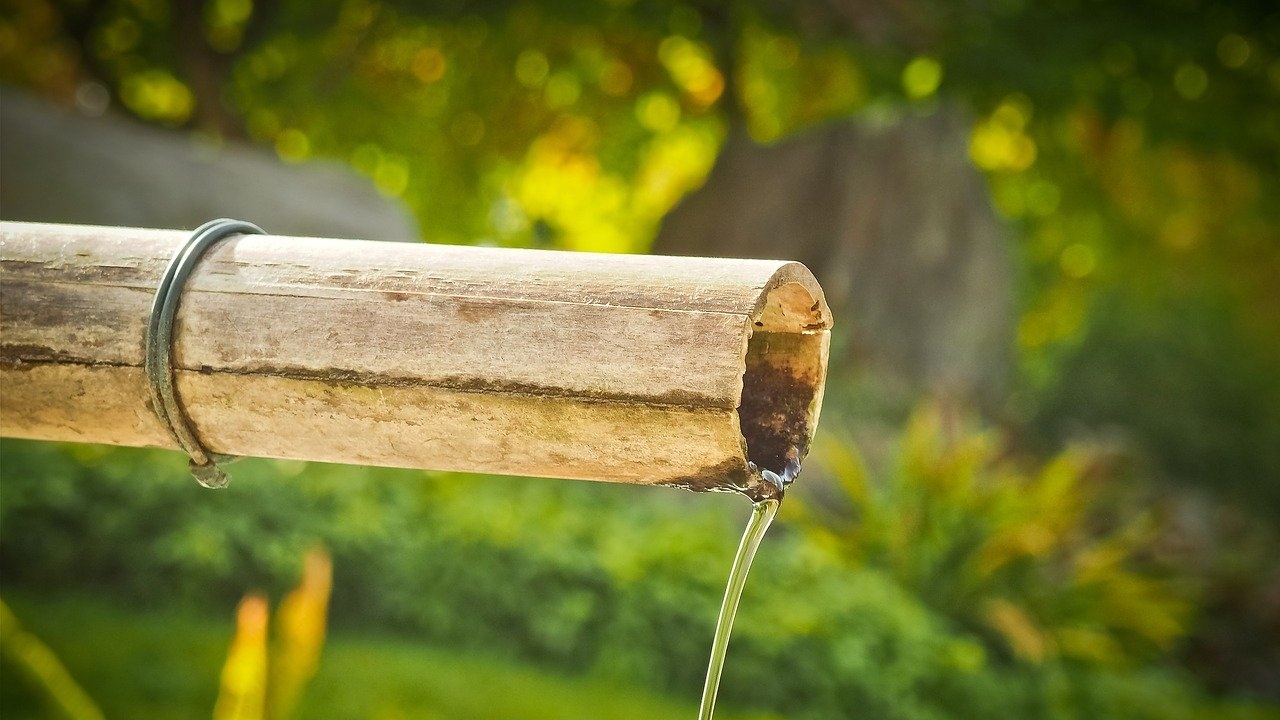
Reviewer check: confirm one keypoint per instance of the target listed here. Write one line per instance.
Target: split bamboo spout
(636, 369)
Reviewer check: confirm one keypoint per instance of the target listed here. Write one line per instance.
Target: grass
(165, 665)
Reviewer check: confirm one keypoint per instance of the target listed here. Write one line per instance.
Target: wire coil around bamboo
(158, 360)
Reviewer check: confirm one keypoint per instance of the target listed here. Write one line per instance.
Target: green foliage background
(873, 620)
(1045, 569)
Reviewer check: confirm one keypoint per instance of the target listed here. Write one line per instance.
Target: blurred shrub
(1185, 379)
(903, 614)
(1047, 561)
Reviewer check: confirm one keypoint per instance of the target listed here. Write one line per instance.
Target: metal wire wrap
(158, 360)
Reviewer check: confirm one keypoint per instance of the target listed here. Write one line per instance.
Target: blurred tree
(899, 228)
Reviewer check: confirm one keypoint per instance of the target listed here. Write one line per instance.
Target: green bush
(877, 619)
(1046, 561)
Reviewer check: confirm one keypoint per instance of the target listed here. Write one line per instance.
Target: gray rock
(57, 166)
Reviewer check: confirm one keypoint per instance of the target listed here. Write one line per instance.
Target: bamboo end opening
(785, 372)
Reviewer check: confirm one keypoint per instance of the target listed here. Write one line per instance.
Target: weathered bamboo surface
(655, 370)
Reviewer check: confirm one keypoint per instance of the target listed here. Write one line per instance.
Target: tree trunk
(896, 224)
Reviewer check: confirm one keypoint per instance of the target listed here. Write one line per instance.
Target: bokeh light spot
(230, 12)
(292, 145)
(563, 90)
(1042, 198)
(392, 175)
(658, 112)
(225, 22)
(1234, 51)
(1191, 81)
(366, 157)
(92, 98)
(117, 38)
(691, 67)
(532, 68)
(1078, 261)
(921, 77)
(616, 79)
(428, 65)
(157, 95)
(999, 142)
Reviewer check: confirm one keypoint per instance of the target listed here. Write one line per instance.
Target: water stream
(762, 512)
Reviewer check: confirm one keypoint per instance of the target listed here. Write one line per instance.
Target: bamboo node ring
(158, 361)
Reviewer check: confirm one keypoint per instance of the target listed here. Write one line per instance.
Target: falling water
(762, 512)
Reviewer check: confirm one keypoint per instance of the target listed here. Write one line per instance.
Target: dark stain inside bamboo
(780, 388)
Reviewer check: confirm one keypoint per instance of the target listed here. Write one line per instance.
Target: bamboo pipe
(637, 369)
